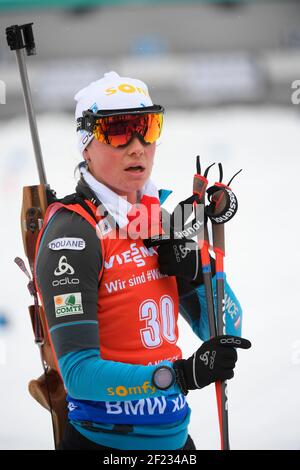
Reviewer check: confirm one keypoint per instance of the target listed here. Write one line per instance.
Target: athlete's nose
(135, 147)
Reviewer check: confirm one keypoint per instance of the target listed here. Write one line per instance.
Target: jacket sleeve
(193, 308)
(67, 276)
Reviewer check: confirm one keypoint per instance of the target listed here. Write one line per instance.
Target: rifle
(48, 389)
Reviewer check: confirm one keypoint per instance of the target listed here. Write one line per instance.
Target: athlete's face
(123, 169)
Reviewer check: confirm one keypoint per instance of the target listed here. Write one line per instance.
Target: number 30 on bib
(160, 322)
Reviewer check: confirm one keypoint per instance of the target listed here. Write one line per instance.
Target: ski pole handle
(200, 183)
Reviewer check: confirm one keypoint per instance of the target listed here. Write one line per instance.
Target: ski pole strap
(223, 204)
(199, 186)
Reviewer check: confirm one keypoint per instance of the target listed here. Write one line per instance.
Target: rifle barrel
(31, 116)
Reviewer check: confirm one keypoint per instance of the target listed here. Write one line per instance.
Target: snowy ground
(262, 261)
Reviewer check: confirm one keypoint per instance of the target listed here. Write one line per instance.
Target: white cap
(110, 92)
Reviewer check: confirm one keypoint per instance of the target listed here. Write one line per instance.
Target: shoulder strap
(76, 199)
(71, 203)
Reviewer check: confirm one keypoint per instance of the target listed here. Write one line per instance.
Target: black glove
(178, 254)
(213, 361)
(182, 258)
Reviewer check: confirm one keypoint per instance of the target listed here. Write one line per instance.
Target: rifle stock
(48, 389)
(34, 205)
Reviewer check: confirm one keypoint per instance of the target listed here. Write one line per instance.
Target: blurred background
(228, 73)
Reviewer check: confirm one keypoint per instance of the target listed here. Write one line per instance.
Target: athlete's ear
(86, 155)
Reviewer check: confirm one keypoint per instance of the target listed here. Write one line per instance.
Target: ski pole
(199, 188)
(223, 206)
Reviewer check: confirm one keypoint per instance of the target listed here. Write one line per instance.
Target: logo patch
(63, 267)
(67, 243)
(104, 227)
(68, 304)
(71, 406)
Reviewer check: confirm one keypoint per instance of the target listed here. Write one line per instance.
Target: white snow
(261, 263)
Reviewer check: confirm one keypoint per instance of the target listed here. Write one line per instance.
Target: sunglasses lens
(155, 122)
(118, 130)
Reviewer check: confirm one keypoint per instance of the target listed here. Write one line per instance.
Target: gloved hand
(213, 361)
(178, 254)
(181, 258)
